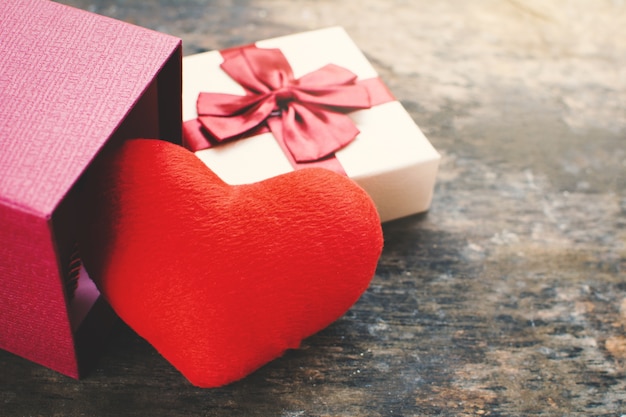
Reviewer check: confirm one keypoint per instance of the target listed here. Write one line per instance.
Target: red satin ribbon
(307, 116)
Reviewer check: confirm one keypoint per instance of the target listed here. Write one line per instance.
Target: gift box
(309, 99)
(71, 84)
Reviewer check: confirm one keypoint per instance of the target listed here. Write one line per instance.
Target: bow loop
(269, 66)
(308, 112)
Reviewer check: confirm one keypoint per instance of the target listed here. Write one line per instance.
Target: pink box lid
(69, 80)
(62, 95)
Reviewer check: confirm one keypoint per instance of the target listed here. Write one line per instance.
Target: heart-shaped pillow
(221, 279)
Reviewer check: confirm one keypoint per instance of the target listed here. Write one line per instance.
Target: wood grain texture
(508, 298)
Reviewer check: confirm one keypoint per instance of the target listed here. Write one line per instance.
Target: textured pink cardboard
(70, 82)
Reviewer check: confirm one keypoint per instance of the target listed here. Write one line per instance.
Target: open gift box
(71, 83)
(390, 157)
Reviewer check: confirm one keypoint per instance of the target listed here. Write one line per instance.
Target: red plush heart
(221, 279)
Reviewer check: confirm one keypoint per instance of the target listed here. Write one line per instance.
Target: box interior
(81, 292)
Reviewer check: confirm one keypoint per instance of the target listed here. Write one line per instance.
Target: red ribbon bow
(307, 113)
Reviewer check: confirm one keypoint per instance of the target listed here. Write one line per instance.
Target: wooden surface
(507, 299)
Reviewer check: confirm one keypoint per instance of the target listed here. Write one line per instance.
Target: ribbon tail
(312, 134)
(194, 138)
(331, 163)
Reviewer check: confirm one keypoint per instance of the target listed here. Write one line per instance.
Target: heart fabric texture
(222, 279)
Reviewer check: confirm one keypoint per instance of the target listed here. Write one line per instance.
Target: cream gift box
(390, 158)
(71, 84)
